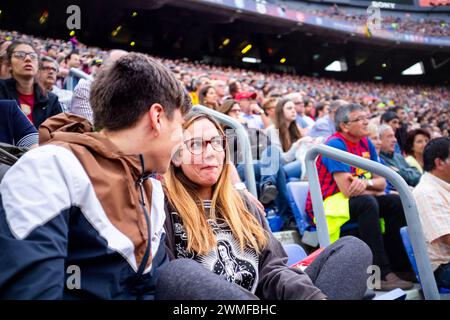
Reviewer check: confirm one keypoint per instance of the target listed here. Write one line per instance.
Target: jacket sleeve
(410, 174)
(34, 228)
(276, 280)
(24, 132)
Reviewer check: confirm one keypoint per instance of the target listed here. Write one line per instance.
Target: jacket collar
(39, 96)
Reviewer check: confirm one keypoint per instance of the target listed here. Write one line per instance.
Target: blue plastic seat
(295, 253)
(412, 259)
(297, 195)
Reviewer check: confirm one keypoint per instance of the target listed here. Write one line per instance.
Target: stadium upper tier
(421, 28)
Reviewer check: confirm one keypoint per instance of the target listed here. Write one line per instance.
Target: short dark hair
(410, 139)
(69, 56)
(435, 149)
(123, 92)
(320, 106)
(396, 109)
(388, 116)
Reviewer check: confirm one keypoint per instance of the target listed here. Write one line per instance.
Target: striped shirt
(80, 100)
(326, 167)
(432, 197)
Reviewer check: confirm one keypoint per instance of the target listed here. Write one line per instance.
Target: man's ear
(155, 114)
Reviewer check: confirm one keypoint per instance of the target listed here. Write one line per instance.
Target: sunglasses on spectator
(198, 145)
(21, 55)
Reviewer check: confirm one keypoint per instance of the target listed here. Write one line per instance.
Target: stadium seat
(295, 253)
(297, 194)
(412, 259)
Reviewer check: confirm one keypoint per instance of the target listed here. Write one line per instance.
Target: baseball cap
(245, 95)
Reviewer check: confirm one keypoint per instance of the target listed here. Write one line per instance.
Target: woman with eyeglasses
(36, 103)
(211, 222)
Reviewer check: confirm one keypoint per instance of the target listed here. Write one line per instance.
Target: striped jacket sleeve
(33, 227)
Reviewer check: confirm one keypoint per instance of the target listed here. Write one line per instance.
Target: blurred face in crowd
(220, 86)
(235, 111)
(24, 62)
(203, 153)
(299, 106)
(357, 125)
(204, 81)
(309, 108)
(47, 74)
(395, 124)
(289, 112)
(245, 105)
(402, 115)
(53, 52)
(388, 141)
(211, 96)
(420, 141)
(270, 110)
(187, 80)
(374, 136)
(74, 61)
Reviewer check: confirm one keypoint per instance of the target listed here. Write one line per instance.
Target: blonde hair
(226, 203)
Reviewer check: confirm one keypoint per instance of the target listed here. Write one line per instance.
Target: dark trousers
(442, 275)
(388, 250)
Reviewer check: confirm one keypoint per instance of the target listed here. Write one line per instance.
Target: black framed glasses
(198, 145)
(21, 55)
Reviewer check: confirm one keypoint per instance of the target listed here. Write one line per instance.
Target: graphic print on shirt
(226, 259)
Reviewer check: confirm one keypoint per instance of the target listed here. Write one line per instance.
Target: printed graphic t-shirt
(226, 259)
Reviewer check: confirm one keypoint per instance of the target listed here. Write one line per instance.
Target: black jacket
(44, 106)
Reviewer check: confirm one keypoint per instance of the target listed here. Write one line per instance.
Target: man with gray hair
(325, 127)
(80, 100)
(395, 160)
(354, 195)
(48, 71)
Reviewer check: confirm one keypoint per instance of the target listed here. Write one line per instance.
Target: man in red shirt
(367, 199)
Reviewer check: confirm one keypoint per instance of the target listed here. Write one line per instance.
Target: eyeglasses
(360, 119)
(198, 145)
(21, 55)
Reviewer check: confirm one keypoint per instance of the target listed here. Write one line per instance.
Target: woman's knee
(355, 250)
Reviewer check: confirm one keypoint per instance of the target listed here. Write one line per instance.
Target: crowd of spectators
(388, 123)
(435, 27)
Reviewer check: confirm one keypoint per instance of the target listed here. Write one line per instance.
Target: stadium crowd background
(251, 97)
(427, 106)
(399, 22)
